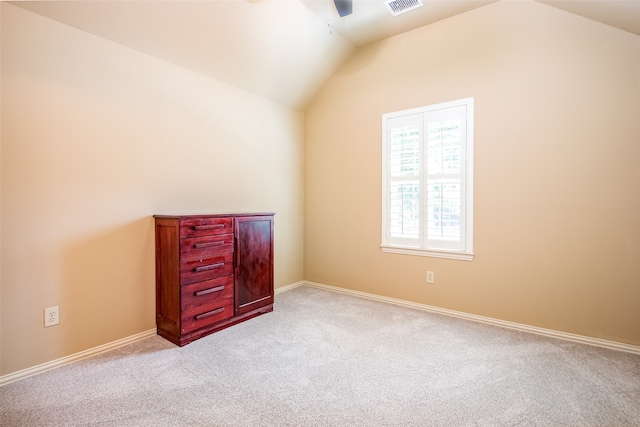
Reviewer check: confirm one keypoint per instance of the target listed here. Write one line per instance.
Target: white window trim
(467, 254)
(434, 253)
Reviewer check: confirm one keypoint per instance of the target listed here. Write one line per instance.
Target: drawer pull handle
(208, 245)
(208, 227)
(208, 267)
(209, 313)
(209, 291)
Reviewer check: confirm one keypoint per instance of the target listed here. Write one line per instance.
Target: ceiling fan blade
(344, 7)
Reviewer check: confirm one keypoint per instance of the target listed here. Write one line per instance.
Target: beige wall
(96, 138)
(557, 169)
(0, 188)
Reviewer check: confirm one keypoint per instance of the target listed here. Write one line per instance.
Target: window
(427, 169)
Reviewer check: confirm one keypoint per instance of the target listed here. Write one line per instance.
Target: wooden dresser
(212, 271)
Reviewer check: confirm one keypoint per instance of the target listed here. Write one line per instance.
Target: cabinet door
(254, 263)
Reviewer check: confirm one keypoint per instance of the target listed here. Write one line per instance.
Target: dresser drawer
(194, 227)
(209, 267)
(201, 293)
(204, 246)
(206, 314)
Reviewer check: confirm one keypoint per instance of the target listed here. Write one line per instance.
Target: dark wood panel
(204, 292)
(195, 270)
(167, 273)
(254, 262)
(218, 326)
(204, 226)
(198, 247)
(205, 315)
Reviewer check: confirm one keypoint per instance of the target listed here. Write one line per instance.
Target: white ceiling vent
(397, 7)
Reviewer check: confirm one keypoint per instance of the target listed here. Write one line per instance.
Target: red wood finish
(167, 276)
(212, 271)
(206, 267)
(201, 293)
(206, 315)
(205, 226)
(196, 247)
(254, 262)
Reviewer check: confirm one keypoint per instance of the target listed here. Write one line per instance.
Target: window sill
(462, 256)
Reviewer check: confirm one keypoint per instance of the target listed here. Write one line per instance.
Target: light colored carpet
(328, 359)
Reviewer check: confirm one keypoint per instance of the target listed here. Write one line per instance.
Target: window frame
(422, 249)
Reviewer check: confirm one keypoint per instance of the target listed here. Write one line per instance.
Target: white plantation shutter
(445, 178)
(427, 179)
(404, 168)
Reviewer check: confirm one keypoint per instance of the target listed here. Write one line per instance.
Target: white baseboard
(289, 287)
(613, 345)
(25, 373)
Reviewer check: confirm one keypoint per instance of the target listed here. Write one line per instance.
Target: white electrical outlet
(51, 316)
(431, 277)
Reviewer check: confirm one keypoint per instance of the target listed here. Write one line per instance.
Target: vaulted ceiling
(282, 50)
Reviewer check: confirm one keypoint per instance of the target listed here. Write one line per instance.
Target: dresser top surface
(213, 215)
